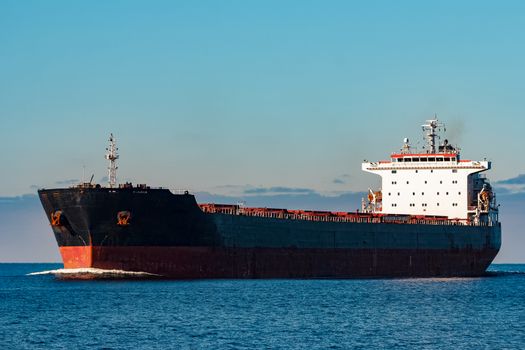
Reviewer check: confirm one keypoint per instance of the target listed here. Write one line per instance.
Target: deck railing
(347, 217)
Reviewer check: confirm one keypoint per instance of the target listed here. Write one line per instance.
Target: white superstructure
(434, 181)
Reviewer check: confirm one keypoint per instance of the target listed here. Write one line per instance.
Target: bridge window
(408, 159)
(424, 159)
(431, 159)
(439, 159)
(447, 159)
(415, 159)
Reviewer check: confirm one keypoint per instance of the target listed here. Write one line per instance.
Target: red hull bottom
(210, 262)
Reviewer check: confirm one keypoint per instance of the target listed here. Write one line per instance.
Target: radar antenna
(112, 156)
(430, 128)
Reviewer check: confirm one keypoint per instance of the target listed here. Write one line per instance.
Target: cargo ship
(434, 216)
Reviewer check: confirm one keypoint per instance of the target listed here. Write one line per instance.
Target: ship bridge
(432, 181)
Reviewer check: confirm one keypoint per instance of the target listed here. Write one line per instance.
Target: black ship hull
(155, 231)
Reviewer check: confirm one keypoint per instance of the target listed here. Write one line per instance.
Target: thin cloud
(518, 180)
(513, 185)
(230, 186)
(278, 190)
(342, 179)
(9, 199)
(31, 197)
(66, 182)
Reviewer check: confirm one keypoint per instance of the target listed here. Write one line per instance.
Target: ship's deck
(333, 216)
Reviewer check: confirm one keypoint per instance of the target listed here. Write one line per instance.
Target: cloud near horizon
(342, 179)
(278, 190)
(517, 180)
(512, 185)
(67, 182)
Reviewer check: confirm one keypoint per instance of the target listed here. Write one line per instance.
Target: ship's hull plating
(216, 262)
(169, 235)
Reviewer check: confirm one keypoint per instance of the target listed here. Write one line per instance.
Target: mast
(431, 127)
(112, 156)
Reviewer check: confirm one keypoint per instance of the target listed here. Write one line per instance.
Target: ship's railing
(347, 217)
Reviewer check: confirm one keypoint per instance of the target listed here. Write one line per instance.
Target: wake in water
(94, 273)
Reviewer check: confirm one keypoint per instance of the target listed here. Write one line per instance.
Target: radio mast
(430, 128)
(112, 156)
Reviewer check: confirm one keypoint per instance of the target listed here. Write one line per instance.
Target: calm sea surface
(43, 311)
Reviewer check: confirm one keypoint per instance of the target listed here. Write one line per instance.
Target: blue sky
(206, 94)
(254, 97)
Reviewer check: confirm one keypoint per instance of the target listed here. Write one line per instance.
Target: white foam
(94, 272)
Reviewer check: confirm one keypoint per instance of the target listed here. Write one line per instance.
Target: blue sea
(43, 311)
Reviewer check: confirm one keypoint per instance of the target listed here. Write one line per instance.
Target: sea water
(41, 310)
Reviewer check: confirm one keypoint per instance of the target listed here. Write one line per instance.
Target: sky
(254, 97)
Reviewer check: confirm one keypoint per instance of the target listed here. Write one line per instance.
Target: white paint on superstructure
(434, 181)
